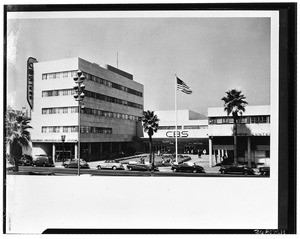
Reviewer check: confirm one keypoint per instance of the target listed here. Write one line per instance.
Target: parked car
(187, 167)
(74, 164)
(140, 167)
(9, 166)
(264, 171)
(43, 160)
(242, 169)
(110, 164)
(263, 165)
(26, 160)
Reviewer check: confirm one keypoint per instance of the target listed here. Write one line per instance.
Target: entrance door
(63, 156)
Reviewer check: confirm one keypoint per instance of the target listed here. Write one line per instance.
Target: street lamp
(63, 138)
(79, 96)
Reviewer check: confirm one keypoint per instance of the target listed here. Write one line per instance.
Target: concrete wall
(262, 129)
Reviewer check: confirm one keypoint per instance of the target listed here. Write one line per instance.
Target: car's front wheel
(222, 171)
(129, 168)
(114, 168)
(98, 167)
(66, 166)
(174, 170)
(194, 170)
(246, 173)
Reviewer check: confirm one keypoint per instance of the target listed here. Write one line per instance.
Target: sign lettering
(30, 80)
(180, 134)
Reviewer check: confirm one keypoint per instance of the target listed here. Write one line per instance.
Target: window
(58, 75)
(242, 120)
(65, 74)
(56, 129)
(44, 129)
(65, 110)
(219, 120)
(225, 120)
(65, 129)
(73, 73)
(74, 110)
(44, 76)
(191, 127)
(74, 128)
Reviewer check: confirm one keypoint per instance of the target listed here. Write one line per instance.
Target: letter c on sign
(168, 134)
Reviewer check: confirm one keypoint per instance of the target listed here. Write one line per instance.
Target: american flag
(183, 87)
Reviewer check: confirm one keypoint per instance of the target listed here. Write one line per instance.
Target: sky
(210, 54)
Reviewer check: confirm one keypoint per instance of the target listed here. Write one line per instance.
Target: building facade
(192, 132)
(113, 104)
(253, 132)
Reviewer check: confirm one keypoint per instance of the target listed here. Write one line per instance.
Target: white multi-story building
(108, 122)
(214, 133)
(192, 132)
(253, 132)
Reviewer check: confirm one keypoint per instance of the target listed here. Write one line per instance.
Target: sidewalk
(203, 161)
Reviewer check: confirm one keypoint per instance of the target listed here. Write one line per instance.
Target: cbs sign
(172, 134)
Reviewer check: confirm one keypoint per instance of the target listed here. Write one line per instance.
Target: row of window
(70, 129)
(98, 96)
(241, 120)
(109, 114)
(90, 94)
(74, 109)
(184, 127)
(66, 74)
(60, 110)
(112, 84)
(49, 93)
(57, 75)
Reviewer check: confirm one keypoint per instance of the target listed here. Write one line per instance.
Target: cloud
(12, 42)
(11, 96)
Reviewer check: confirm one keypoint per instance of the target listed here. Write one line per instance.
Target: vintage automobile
(74, 164)
(236, 169)
(188, 167)
(140, 166)
(264, 171)
(263, 165)
(9, 166)
(26, 160)
(43, 160)
(110, 164)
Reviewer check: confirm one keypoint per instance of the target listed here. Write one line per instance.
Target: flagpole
(176, 158)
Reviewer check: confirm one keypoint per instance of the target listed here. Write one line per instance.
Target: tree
(150, 126)
(234, 104)
(17, 134)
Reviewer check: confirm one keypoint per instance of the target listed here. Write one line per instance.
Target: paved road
(25, 170)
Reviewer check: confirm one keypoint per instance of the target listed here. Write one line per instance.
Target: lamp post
(79, 96)
(63, 138)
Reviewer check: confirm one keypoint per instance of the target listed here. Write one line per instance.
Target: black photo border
(287, 107)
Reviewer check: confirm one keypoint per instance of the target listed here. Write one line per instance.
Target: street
(27, 170)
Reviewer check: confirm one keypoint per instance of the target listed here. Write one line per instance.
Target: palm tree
(234, 103)
(150, 126)
(17, 135)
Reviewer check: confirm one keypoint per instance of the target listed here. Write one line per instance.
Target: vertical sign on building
(30, 80)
